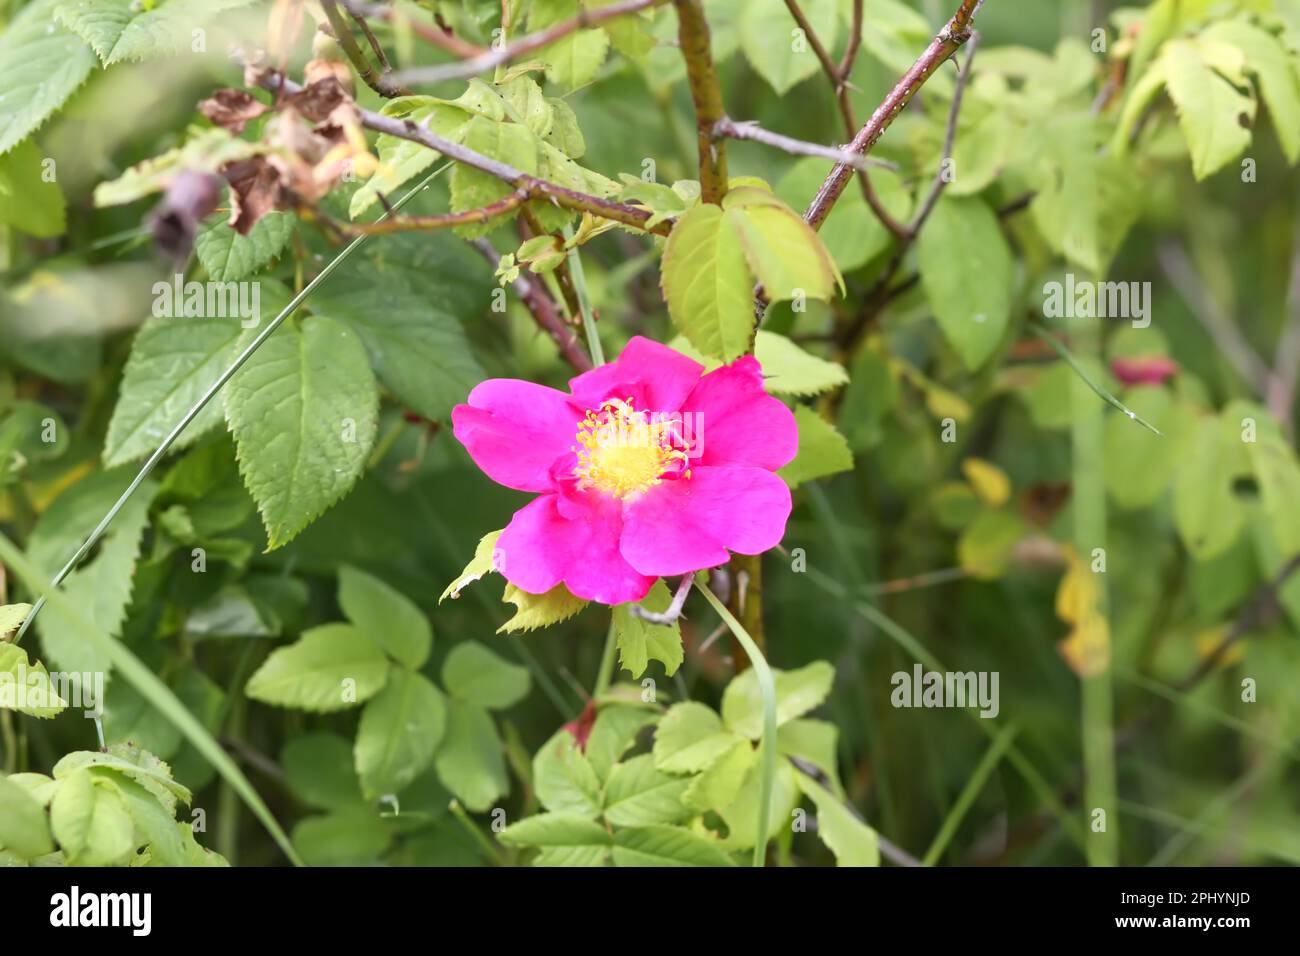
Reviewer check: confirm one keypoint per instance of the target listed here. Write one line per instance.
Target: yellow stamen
(622, 451)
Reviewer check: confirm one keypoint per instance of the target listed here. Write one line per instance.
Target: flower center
(623, 451)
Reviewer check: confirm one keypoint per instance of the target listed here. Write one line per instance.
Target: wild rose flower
(646, 468)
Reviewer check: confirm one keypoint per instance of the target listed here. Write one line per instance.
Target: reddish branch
(532, 290)
(956, 33)
(838, 74)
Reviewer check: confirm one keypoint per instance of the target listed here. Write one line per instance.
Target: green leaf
(1275, 72)
(12, 616)
(386, 616)
(797, 692)
(41, 65)
(90, 821)
(331, 667)
(689, 738)
(984, 548)
(539, 610)
(173, 362)
(475, 674)
(130, 761)
(23, 828)
(967, 275)
(573, 60)
(707, 284)
(304, 411)
(129, 718)
(564, 779)
(129, 30)
(852, 234)
(639, 641)
(229, 257)
(1207, 512)
(789, 370)
(741, 817)
(637, 794)
(104, 585)
(24, 686)
(400, 730)
(822, 450)
(852, 841)
(555, 830)
(1214, 116)
(666, 846)
(783, 252)
(1139, 466)
(470, 763)
(510, 143)
(615, 730)
(318, 768)
(418, 349)
(350, 837)
(776, 47)
(815, 742)
(28, 201)
(479, 565)
(152, 820)
(716, 787)
(400, 159)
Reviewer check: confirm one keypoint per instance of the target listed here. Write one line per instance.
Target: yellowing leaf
(539, 610)
(989, 481)
(482, 563)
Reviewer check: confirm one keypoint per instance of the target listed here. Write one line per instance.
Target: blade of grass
(767, 688)
(158, 694)
(980, 776)
(1106, 396)
(584, 303)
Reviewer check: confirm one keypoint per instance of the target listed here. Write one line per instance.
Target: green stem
(476, 834)
(767, 688)
(584, 303)
(606, 673)
(968, 794)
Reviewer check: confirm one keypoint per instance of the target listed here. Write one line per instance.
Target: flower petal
(691, 523)
(737, 421)
(515, 430)
(656, 377)
(541, 548)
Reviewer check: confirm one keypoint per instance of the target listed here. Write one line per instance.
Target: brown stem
(530, 227)
(372, 78)
(483, 214)
(839, 75)
(439, 37)
(957, 32)
(693, 36)
(884, 291)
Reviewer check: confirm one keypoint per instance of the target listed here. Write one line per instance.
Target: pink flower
(646, 468)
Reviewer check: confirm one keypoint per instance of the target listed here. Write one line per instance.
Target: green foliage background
(956, 473)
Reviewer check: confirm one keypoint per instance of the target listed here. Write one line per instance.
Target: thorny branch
(949, 40)
(838, 74)
(752, 131)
